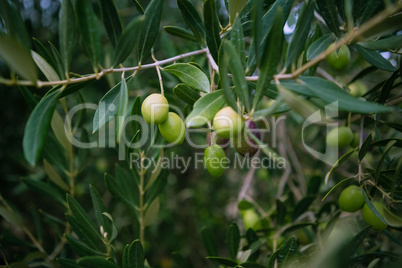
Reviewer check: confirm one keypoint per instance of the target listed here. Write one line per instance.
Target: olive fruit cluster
(229, 127)
(155, 111)
(352, 200)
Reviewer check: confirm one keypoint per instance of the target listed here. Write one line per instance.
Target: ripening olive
(227, 123)
(212, 138)
(173, 129)
(351, 199)
(339, 59)
(215, 160)
(244, 143)
(340, 137)
(155, 109)
(371, 219)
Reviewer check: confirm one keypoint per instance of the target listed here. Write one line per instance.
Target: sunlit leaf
(190, 75)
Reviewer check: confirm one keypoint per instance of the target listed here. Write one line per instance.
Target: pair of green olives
(229, 126)
(352, 200)
(155, 111)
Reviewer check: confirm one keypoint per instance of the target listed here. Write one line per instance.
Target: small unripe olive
(340, 137)
(351, 199)
(250, 219)
(243, 143)
(358, 88)
(227, 123)
(155, 109)
(339, 59)
(215, 160)
(173, 129)
(371, 219)
(356, 140)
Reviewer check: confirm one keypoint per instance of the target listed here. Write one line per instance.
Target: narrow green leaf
(302, 206)
(158, 186)
(233, 240)
(138, 6)
(121, 109)
(57, 126)
(223, 261)
(281, 212)
(96, 261)
(107, 108)
(338, 163)
(330, 92)
(111, 20)
(14, 24)
(357, 240)
(272, 56)
(11, 217)
(135, 255)
(156, 171)
(152, 212)
(329, 13)
(180, 32)
(81, 248)
(237, 39)
(18, 58)
(83, 219)
(300, 33)
(67, 32)
(385, 44)
(186, 93)
(224, 80)
(45, 67)
(192, 18)
(59, 61)
(319, 46)
(284, 253)
(90, 32)
(115, 189)
(190, 75)
(205, 109)
(365, 147)
(375, 59)
(212, 28)
(388, 86)
(99, 209)
(54, 176)
(239, 79)
(257, 32)
(44, 52)
(37, 126)
(45, 189)
(29, 97)
(108, 219)
(235, 7)
(150, 28)
(371, 9)
(372, 208)
(209, 242)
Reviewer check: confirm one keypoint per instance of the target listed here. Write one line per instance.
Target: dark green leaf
(212, 28)
(272, 56)
(83, 220)
(14, 24)
(37, 127)
(150, 28)
(357, 241)
(297, 226)
(99, 209)
(90, 32)
(205, 109)
(152, 212)
(338, 163)
(372, 208)
(329, 92)
(371, 9)
(250, 265)
(58, 60)
(329, 13)
(67, 32)
(388, 86)
(223, 261)
(41, 50)
(375, 59)
(95, 261)
(111, 20)
(237, 39)
(224, 79)
(11, 217)
(239, 79)
(128, 40)
(186, 93)
(284, 253)
(281, 212)
(319, 46)
(192, 18)
(157, 187)
(68, 263)
(365, 147)
(300, 33)
(121, 109)
(302, 206)
(107, 108)
(190, 75)
(258, 32)
(233, 240)
(133, 256)
(209, 242)
(18, 58)
(29, 97)
(385, 44)
(116, 190)
(45, 189)
(138, 6)
(180, 32)
(45, 67)
(81, 248)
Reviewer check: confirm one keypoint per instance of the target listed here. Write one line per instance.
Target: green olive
(340, 137)
(339, 59)
(227, 123)
(173, 129)
(358, 88)
(155, 109)
(351, 199)
(250, 219)
(215, 160)
(371, 219)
